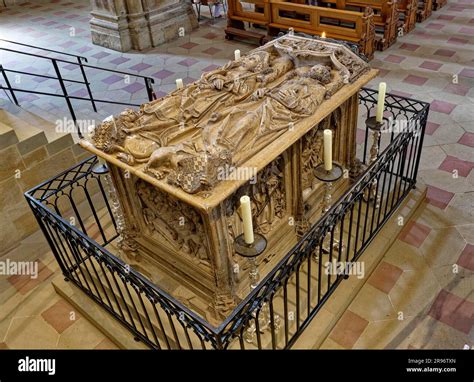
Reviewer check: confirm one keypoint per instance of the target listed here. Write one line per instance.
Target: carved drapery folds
(230, 114)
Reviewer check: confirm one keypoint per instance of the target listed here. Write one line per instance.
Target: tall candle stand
(103, 170)
(251, 252)
(328, 177)
(376, 128)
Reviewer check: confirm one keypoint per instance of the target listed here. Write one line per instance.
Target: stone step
(29, 137)
(57, 141)
(7, 136)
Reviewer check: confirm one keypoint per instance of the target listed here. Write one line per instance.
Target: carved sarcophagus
(253, 127)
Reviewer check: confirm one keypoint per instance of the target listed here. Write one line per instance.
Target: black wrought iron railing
(76, 217)
(71, 59)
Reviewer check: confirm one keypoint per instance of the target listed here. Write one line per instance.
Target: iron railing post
(48, 239)
(149, 88)
(66, 96)
(86, 82)
(423, 122)
(9, 87)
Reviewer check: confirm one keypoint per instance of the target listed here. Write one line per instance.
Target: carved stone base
(135, 26)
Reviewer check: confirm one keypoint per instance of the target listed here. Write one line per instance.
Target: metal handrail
(43, 76)
(45, 49)
(149, 81)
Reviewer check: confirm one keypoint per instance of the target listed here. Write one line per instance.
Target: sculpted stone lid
(239, 116)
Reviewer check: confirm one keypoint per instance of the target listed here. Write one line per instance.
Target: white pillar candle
(237, 54)
(327, 149)
(246, 211)
(323, 35)
(381, 102)
(179, 83)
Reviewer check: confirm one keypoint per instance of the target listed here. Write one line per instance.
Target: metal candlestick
(103, 170)
(376, 128)
(328, 177)
(251, 252)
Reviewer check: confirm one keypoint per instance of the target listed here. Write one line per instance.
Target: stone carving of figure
(230, 113)
(251, 125)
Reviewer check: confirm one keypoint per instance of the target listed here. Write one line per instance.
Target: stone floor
(422, 293)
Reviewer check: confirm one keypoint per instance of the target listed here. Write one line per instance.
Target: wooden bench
(437, 4)
(407, 10)
(385, 17)
(424, 10)
(278, 15)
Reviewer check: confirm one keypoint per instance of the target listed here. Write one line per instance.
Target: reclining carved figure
(230, 113)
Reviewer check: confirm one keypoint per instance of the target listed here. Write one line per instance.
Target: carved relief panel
(173, 223)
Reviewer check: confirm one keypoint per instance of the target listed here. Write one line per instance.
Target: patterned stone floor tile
(414, 291)
(453, 311)
(414, 233)
(456, 166)
(61, 316)
(25, 283)
(385, 276)
(348, 329)
(405, 256)
(81, 335)
(372, 304)
(442, 247)
(466, 260)
(31, 333)
(385, 334)
(433, 334)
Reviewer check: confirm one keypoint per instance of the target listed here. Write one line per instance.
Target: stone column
(139, 24)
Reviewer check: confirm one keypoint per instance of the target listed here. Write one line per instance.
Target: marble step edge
(25, 122)
(96, 315)
(7, 136)
(29, 137)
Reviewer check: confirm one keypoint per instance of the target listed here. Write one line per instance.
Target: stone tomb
(252, 127)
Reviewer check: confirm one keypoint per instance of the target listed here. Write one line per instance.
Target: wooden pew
(437, 4)
(385, 17)
(408, 10)
(277, 15)
(424, 10)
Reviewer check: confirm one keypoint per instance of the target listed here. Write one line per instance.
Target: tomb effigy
(252, 127)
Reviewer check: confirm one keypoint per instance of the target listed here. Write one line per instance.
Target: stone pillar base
(131, 27)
